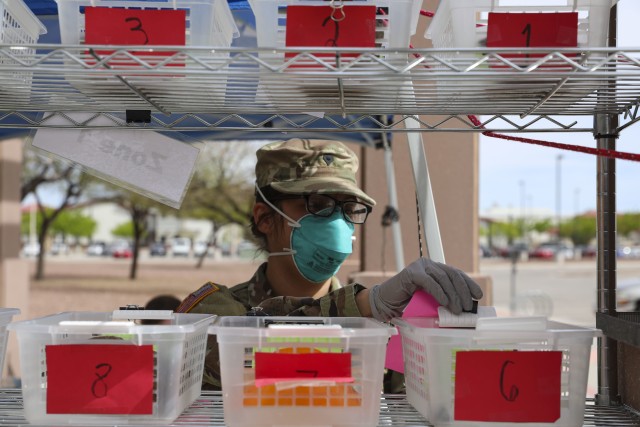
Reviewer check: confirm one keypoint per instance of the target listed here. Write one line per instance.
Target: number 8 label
(99, 379)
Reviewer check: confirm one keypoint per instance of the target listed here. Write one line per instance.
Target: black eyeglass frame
(340, 203)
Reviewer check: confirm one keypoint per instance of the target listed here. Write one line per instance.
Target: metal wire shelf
(207, 88)
(394, 411)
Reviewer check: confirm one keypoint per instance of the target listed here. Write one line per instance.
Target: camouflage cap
(305, 166)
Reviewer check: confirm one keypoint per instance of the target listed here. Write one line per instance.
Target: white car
(97, 249)
(31, 249)
(628, 295)
(181, 246)
(200, 247)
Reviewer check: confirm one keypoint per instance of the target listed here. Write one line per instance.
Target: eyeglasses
(324, 206)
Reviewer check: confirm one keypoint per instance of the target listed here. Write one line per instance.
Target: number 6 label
(99, 379)
(507, 386)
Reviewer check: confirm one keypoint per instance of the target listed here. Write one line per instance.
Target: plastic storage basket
(175, 352)
(464, 24)
(207, 23)
(432, 357)
(301, 393)
(19, 26)
(395, 22)
(6, 315)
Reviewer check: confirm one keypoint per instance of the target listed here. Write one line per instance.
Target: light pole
(523, 226)
(558, 196)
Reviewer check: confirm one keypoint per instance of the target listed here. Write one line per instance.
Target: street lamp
(558, 196)
(522, 209)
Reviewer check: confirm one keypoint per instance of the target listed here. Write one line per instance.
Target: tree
(124, 230)
(221, 189)
(581, 229)
(73, 223)
(628, 223)
(139, 207)
(42, 173)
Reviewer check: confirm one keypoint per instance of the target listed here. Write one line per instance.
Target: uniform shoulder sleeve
(212, 298)
(341, 302)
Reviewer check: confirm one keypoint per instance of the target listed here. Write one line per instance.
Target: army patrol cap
(307, 166)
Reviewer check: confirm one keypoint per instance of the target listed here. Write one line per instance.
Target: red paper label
(99, 379)
(274, 367)
(532, 30)
(109, 25)
(116, 26)
(312, 26)
(508, 386)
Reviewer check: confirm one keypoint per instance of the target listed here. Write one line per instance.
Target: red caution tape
(614, 154)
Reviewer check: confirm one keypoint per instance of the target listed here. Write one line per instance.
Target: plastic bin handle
(94, 326)
(533, 323)
(293, 330)
(142, 314)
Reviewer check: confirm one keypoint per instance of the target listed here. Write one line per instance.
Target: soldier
(307, 206)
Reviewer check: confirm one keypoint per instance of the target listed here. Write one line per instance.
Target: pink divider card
(422, 304)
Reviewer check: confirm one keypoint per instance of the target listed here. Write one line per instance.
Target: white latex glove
(448, 285)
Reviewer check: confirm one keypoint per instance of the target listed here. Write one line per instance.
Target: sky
(519, 175)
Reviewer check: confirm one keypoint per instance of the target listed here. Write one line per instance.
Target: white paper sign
(146, 160)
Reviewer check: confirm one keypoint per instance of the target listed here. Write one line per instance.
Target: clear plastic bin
(464, 24)
(6, 315)
(253, 399)
(178, 347)
(19, 26)
(395, 22)
(430, 356)
(208, 23)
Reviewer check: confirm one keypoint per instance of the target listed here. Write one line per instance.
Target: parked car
(31, 249)
(157, 249)
(97, 249)
(628, 295)
(121, 249)
(552, 251)
(181, 246)
(200, 247)
(629, 252)
(516, 248)
(59, 248)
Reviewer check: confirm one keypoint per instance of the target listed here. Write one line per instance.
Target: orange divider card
(353, 26)
(99, 379)
(531, 30)
(271, 368)
(508, 386)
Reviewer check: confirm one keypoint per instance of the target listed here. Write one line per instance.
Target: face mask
(319, 245)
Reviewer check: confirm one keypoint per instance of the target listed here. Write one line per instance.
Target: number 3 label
(105, 25)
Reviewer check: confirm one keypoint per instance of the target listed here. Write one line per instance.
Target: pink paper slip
(422, 304)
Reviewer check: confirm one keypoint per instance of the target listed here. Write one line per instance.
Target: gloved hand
(448, 285)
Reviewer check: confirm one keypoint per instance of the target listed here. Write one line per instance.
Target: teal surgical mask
(319, 245)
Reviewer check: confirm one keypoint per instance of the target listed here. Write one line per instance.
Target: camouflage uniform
(295, 166)
(256, 294)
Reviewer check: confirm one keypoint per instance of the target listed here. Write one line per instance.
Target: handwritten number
(99, 387)
(334, 41)
(311, 373)
(138, 27)
(513, 391)
(527, 33)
